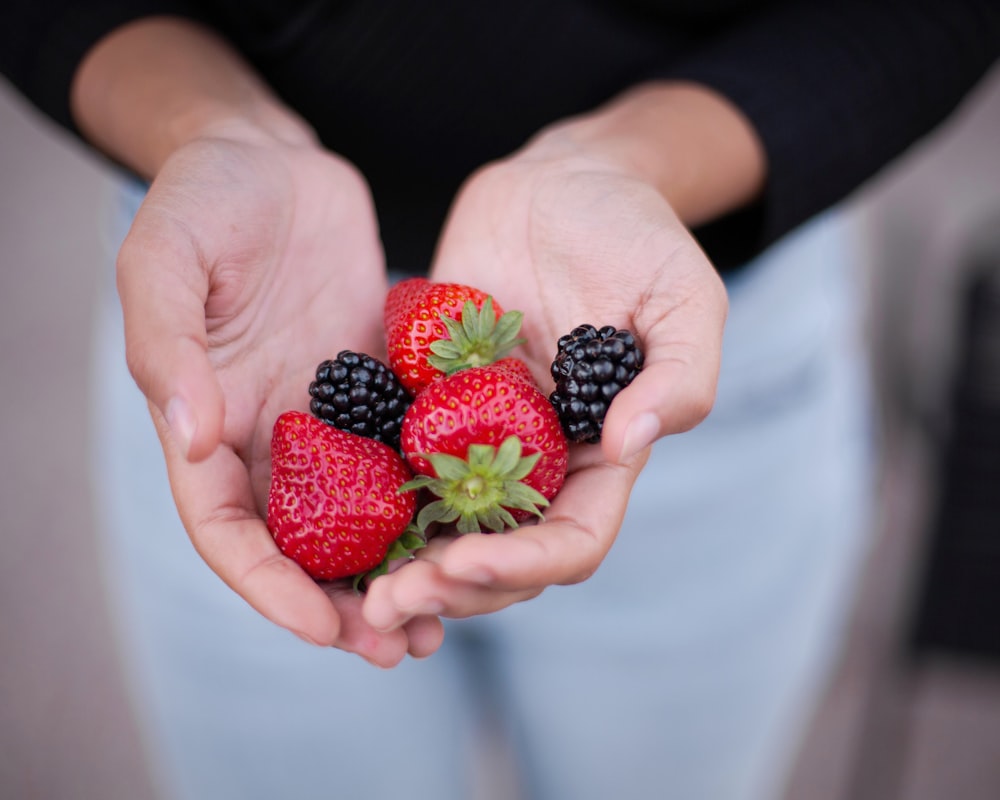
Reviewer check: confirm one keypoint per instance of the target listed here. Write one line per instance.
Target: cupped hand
(249, 262)
(570, 234)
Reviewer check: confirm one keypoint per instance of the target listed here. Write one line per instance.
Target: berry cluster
(361, 395)
(591, 367)
(451, 431)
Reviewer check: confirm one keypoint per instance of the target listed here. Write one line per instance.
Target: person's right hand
(250, 261)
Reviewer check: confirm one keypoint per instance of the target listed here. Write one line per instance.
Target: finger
(425, 634)
(580, 527)
(384, 649)
(421, 589)
(163, 288)
(217, 508)
(675, 390)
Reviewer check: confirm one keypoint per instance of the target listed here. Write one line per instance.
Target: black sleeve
(835, 90)
(43, 41)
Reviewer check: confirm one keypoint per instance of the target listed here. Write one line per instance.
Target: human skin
(253, 239)
(588, 223)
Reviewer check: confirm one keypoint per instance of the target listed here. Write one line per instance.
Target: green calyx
(409, 541)
(477, 339)
(477, 492)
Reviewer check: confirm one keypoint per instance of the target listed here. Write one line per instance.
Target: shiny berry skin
(335, 505)
(591, 367)
(414, 327)
(359, 394)
(485, 406)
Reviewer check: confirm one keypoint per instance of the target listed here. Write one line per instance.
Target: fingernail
(307, 639)
(640, 434)
(182, 422)
(472, 573)
(386, 625)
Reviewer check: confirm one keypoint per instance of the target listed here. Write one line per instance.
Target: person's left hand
(568, 236)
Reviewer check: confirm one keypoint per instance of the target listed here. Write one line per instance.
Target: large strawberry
(435, 329)
(335, 505)
(488, 443)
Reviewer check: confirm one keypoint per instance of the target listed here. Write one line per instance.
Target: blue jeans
(686, 668)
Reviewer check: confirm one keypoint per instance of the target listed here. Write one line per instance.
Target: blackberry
(361, 395)
(591, 367)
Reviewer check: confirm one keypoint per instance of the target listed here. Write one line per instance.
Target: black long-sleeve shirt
(418, 95)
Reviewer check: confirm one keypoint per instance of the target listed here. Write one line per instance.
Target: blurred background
(913, 712)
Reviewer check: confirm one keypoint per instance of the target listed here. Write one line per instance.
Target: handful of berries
(452, 420)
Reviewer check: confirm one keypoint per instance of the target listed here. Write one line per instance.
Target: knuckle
(135, 359)
(583, 572)
(701, 405)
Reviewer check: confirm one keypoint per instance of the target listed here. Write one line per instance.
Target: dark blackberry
(591, 367)
(359, 394)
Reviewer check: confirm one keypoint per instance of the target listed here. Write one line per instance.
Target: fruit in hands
(436, 329)
(478, 433)
(357, 393)
(591, 367)
(487, 442)
(335, 505)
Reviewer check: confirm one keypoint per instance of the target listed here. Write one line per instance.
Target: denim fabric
(685, 668)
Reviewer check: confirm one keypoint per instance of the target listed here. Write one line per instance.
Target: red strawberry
(335, 507)
(435, 329)
(515, 369)
(403, 296)
(488, 443)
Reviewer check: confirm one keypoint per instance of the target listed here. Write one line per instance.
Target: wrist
(156, 84)
(255, 120)
(695, 147)
(246, 125)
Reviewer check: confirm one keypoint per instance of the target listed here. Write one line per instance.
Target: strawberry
(515, 369)
(402, 297)
(488, 443)
(334, 505)
(435, 329)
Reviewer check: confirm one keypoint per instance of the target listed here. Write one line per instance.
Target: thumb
(676, 388)
(163, 286)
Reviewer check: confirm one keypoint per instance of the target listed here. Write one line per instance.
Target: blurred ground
(902, 723)
(65, 729)
(893, 727)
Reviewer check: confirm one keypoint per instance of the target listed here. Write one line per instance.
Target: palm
(246, 266)
(301, 279)
(571, 241)
(569, 244)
